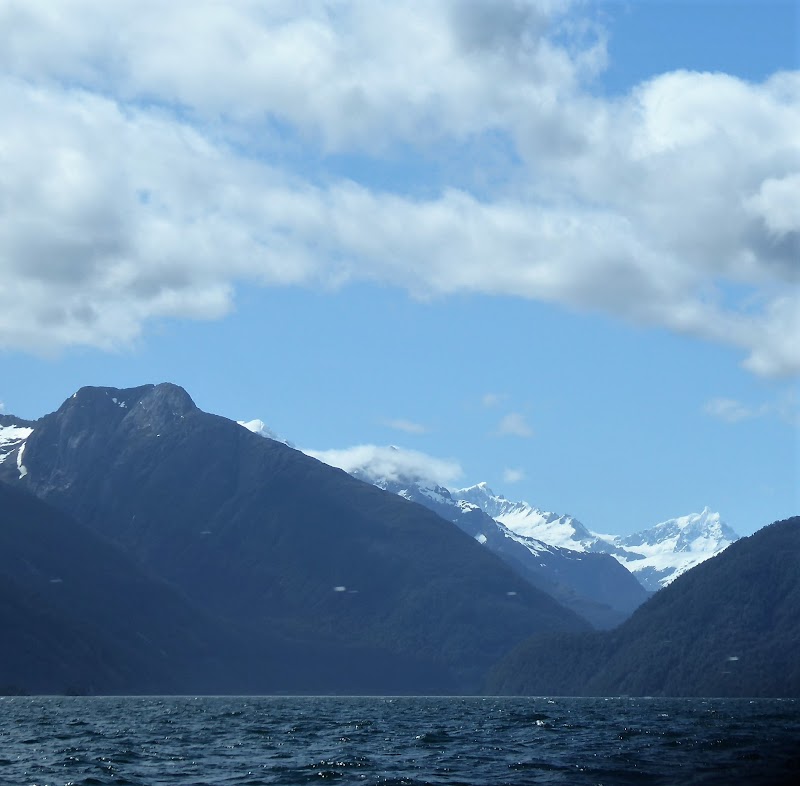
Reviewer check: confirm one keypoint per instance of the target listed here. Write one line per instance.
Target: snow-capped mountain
(524, 519)
(592, 584)
(656, 556)
(660, 554)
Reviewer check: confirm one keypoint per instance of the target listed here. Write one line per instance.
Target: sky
(549, 245)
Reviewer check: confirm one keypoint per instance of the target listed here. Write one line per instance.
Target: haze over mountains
(148, 546)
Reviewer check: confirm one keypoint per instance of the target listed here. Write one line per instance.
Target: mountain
(79, 615)
(656, 556)
(524, 519)
(593, 585)
(248, 530)
(728, 627)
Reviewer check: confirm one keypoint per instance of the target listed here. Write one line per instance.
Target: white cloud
(393, 463)
(775, 203)
(363, 72)
(513, 475)
(407, 426)
(514, 424)
(263, 430)
(142, 175)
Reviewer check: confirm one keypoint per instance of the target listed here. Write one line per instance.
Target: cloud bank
(148, 173)
(373, 462)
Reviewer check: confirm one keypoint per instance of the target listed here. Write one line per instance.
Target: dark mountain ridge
(728, 627)
(274, 542)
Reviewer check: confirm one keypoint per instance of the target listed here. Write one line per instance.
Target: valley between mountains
(149, 547)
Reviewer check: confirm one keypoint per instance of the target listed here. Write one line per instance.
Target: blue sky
(552, 245)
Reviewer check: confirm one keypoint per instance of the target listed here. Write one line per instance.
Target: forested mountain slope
(728, 627)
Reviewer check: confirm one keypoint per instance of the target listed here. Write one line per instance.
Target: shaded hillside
(260, 534)
(729, 627)
(77, 614)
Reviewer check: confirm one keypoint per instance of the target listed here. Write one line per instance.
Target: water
(227, 741)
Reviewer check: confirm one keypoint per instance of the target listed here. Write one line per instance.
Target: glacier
(656, 555)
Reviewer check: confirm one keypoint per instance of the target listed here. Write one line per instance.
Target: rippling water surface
(267, 740)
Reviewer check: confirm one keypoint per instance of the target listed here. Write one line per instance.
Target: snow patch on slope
(11, 439)
(21, 468)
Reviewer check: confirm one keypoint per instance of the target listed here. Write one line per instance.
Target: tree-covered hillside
(729, 627)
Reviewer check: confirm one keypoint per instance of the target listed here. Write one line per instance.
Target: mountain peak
(167, 392)
(477, 491)
(173, 397)
(163, 399)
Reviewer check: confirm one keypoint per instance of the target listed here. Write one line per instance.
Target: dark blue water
(253, 741)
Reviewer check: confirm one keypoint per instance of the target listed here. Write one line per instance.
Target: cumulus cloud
(513, 475)
(149, 174)
(407, 426)
(514, 424)
(373, 462)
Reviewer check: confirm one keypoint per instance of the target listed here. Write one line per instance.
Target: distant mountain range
(593, 585)
(147, 546)
(656, 556)
(336, 585)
